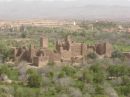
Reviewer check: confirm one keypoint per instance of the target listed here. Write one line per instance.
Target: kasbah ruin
(67, 51)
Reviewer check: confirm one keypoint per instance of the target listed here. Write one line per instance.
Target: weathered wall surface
(76, 49)
(108, 50)
(44, 42)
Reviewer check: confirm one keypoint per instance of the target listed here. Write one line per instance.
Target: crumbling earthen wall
(40, 61)
(55, 57)
(83, 49)
(32, 53)
(66, 51)
(35, 61)
(91, 49)
(66, 55)
(76, 49)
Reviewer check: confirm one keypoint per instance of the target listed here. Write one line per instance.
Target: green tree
(98, 73)
(23, 35)
(117, 70)
(96, 68)
(34, 78)
(99, 77)
(69, 70)
(5, 51)
(87, 76)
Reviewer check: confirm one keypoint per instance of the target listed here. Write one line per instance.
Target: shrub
(98, 73)
(23, 35)
(99, 89)
(125, 80)
(74, 92)
(117, 70)
(99, 77)
(117, 54)
(20, 91)
(34, 79)
(69, 70)
(87, 76)
(3, 69)
(96, 68)
(10, 72)
(123, 90)
(4, 51)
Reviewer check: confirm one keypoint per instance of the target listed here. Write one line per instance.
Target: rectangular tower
(44, 42)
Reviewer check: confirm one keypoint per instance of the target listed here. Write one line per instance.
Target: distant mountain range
(62, 10)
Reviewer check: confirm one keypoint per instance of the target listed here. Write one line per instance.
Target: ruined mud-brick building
(67, 51)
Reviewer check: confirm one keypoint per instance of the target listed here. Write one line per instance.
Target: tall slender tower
(44, 42)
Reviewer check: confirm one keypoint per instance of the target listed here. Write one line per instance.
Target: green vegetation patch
(122, 47)
(9, 71)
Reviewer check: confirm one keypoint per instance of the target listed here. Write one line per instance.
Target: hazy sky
(89, 2)
(19, 9)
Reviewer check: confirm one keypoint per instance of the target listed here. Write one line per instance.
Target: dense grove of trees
(5, 50)
(68, 81)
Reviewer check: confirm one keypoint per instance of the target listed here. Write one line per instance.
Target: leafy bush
(5, 50)
(23, 35)
(34, 79)
(117, 70)
(99, 89)
(96, 68)
(99, 77)
(9, 71)
(87, 76)
(20, 91)
(69, 70)
(117, 54)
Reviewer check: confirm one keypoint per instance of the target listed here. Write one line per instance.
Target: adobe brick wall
(43, 61)
(40, 61)
(66, 55)
(55, 57)
(32, 53)
(35, 61)
(76, 49)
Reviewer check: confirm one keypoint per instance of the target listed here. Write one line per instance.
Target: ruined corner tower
(44, 42)
(104, 49)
